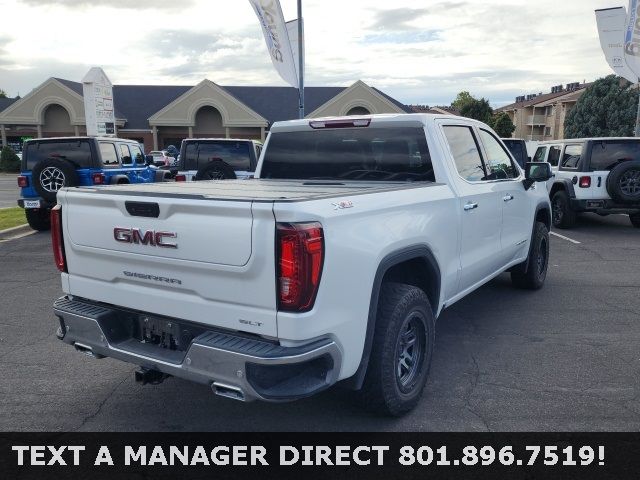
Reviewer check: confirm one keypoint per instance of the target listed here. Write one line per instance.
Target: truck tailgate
(206, 261)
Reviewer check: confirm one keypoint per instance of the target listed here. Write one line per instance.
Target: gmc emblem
(148, 237)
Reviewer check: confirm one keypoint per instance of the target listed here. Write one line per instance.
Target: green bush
(9, 161)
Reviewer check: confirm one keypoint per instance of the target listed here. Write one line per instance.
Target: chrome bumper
(229, 363)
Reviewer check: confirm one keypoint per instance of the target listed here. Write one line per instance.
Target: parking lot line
(565, 238)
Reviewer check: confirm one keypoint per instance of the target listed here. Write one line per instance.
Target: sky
(419, 52)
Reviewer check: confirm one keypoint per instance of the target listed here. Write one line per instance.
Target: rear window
(607, 154)
(368, 154)
(77, 152)
(236, 154)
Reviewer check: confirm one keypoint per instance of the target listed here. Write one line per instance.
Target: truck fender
(416, 252)
(543, 214)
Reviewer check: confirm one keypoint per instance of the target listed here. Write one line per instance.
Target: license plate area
(32, 204)
(164, 333)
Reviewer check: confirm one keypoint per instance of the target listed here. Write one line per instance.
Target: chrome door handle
(507, 198)
(470, 206)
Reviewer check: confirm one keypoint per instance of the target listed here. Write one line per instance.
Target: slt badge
(342, 205)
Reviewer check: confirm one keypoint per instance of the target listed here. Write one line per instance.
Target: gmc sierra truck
(331, 266)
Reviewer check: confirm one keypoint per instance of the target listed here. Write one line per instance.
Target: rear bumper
(234, 366)
(603, 206)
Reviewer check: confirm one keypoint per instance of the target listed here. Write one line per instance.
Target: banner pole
(301, 59)
(637, 129)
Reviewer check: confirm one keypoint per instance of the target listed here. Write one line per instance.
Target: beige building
(158, 116)
(541, 117)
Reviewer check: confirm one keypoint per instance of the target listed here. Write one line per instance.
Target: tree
(478, 109)
(9, 161)
(3, 94)
(607, 108)
(502, 125)
(462, 99)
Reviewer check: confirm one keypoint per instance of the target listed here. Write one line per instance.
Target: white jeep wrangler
(600, 175)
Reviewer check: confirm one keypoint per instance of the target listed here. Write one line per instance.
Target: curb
(10, 233)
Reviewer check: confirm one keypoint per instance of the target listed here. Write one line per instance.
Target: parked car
(48, 164)
(518, 149)
(217, 159)
(600, 175)
(332, 265)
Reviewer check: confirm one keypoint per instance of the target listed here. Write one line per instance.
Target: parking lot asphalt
(8, 190)
(563, 358)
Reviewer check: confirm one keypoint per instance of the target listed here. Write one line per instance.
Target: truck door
(516, 211)
(478, 202)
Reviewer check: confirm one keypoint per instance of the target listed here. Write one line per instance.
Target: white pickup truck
(332, 265)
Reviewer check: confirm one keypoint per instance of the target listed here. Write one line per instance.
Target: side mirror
(148, 160)
(536, 172)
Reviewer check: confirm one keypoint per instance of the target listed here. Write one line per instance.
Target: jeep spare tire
(50, 175)
(623, 182)
(216, 170)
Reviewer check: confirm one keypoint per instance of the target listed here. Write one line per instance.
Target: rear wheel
(38, 219)
(635, 219)
(532, 273)
(563, 215)
(401, 352)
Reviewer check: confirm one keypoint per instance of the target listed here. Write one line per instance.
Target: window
(236, 154)
(137, 154)
(607, 154)
(540, 153)
(465, 152)
(125, 156)
(571, 156)
(108, 154)
(498, 161)
(190, 160)
(547, 131)
(368, 154)
(554, 155)
(77, 152)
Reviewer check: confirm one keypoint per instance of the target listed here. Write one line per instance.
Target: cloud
(123, 4)
(397, 19)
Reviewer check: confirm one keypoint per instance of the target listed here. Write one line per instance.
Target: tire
(216, 170)
(623, 182)
(532, 273)
(562, 213)
(39, 219)
(635, 219)
(397, 373)
(50, 175)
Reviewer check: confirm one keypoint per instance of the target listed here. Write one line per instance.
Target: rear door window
(108, 154)
(76, 152)
(465, 152)
(554, 155)
(125, 154)
(571, 157)
(540, 153)
(607, 154)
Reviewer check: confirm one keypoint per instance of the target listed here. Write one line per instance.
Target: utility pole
(301, 59)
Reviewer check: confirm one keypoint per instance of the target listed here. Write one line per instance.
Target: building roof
(136, 103)
(6, 102)
(544, 98)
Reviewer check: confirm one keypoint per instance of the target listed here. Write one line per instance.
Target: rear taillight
(585, 182)
(300, 257)
(98, 178)
(181, 178)
(57, 242)
(23, 182)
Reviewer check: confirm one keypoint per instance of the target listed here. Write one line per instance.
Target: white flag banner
(611, 29)
(292, 30)
(632, 39)
(277, 37)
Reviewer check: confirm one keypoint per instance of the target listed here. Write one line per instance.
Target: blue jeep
(48, 164)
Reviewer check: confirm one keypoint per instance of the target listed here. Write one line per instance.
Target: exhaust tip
(227, 391)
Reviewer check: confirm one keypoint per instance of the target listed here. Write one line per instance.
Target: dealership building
(161, 115)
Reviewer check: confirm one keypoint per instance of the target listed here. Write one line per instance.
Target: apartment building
(541, 116)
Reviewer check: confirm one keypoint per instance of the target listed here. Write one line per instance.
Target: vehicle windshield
(606, 154)
(366, 154)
